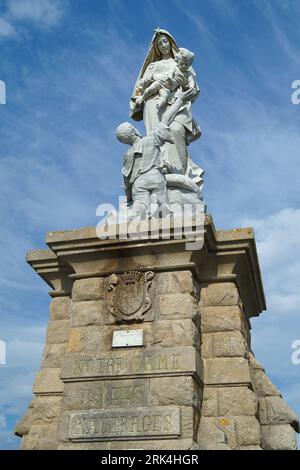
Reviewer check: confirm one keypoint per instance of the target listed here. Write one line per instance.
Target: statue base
(148, 346)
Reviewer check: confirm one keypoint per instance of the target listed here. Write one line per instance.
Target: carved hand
(139, 100)
(188, 95)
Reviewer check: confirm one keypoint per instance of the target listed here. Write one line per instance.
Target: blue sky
(69, 67)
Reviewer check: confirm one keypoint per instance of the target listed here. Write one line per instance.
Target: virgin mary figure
(159, 61)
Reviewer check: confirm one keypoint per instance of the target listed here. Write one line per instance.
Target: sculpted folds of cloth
(165, 74)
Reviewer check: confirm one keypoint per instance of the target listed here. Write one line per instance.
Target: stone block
(58, 331)
(88, 289)
(171, 333)
(188, 422)
(173, 391)
(129, 393)
(160, 335)
(25, 443)
(41, 437)
(229, 344)
(133, 364)
(274, 410)
(96, 338)
(227, 424)
(47, 381)
(82, 396)
(53, 355)
(207, 345)
(236, 401)
(74, 342)
(126, 393)
(215, 319)
(185, 333)
(63, 427)
(247, 430)
(210, 402)
(177, 306)
(87, 312)
(254, 364)
(174, 282)
(228, 401)
(46, 409)
(60, 308)
(219, 294)
(223, 344)
(23, 426)
(262, 385)
(216, 433)
(278, 437)
(141, 422)
(228, 370)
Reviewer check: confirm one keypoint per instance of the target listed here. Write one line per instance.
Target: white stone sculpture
(180, 75)
(160, 60)
(171, 177)
(143, 167)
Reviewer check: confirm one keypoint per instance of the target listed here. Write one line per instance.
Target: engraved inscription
(161, 361)
(125, 395)
(119, 366)
(90, 395)
(116, 424)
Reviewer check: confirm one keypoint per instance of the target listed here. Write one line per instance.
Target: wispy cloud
(275, 330)
(7, 30)
(277, 15)
(18, 16)
(40, 12)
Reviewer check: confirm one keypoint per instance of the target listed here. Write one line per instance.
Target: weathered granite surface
(194, 384)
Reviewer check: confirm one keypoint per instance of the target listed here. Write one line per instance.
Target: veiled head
(161, 41)
(163, 45)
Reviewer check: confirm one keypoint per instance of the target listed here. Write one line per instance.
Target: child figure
(180, 75)
(143, 169)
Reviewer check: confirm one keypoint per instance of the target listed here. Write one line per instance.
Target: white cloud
(278, 243)
(7, 30)
(41, 12)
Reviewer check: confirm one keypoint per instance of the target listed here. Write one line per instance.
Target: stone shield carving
(130, 298)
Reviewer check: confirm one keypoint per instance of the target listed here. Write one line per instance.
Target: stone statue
(178, 76)
(143, 169)
(163, 61)
(158, 170)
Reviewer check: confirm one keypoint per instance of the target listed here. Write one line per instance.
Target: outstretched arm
(170, 115)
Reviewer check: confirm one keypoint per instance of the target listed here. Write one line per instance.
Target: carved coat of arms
(130, 298)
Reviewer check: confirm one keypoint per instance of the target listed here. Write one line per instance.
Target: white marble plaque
(127, 338)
